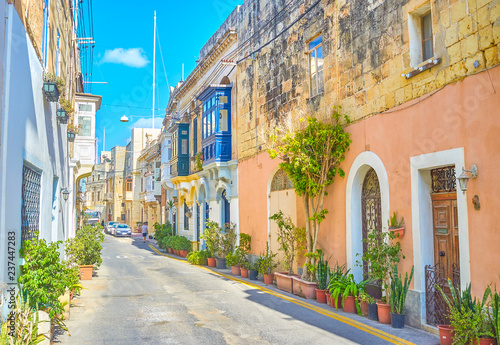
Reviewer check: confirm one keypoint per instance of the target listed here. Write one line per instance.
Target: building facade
(115, 183)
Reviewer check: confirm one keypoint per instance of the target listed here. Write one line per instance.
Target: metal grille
(371, 211)
(30, 207)
(281, 181)
(444, 180)
(435, 305)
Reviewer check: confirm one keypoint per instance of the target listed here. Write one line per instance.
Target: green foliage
(311, 158)
(266, 261)
(459, 301)
(66, 105)
(232, 259)
(351, 288)
(339, 279)
(289, 238)
(399, 291)
(245, 243)
(220, 241)
(494, 312)
(198, 257)
(177, 242)
(311, 265)
(364, 297)
(382, 255)
(394, 223)
(199, 161)
(162, 231)
(60, 83)
(470, 324)
(85, 248)
(44, 277)
(26, 324)
(210, 236)
(322, 271)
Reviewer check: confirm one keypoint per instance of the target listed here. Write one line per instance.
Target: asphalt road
(141, 297)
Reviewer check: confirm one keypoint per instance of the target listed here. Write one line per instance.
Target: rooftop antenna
(154, 65)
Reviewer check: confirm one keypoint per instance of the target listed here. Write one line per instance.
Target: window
(223, 120)
(195, 136)
(184, 146)
(128, 185)
(84, 125)
(98, 196)
(209, 124)
(85, 107)
(30, 204)
(316, 66)
(427, 49)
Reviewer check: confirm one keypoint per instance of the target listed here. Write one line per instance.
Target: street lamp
(463, 179)
(65, 193)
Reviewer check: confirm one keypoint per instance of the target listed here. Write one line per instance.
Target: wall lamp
(463, 179)
(65, 193)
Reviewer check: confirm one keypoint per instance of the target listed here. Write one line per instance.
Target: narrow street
(142, 297)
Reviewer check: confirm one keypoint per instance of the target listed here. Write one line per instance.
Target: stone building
(201, 123)
(114, 196)
(96, 188)
(418, 78)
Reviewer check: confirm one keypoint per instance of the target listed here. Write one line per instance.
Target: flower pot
(220, 263)
(86, 272)
(268, 278)
(374, 290)
(399, 232)
(445, 334)
(384, 313)
(397, 320)
(253, 274)
(296, 290)
(484, 341)
(364, 308)
(308, 289)
(284, 281)
(235, 270)
(244, 273)
(339, 302)
(211, 262)
(170, 251)
(321, 296)
(373, 311)
(350, 304)
(184, 253)
(328, 298)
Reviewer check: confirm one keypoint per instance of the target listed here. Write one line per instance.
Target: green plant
(44, 277)
(494, 312)
(211, 236)
(458, 301)
(399, 290)
(382, 254)
(394, 223)
(162, 231)
(85, 248)
(199, 161)
(469, 325)
(227, 238)
(245, 243)
(364, 297)
(322, 271)
(339, 279)
(351, 288)
(183, 243)
(266, 261)
(198, 257)
(311, 266)
(232, 259)
(60, 83)
(66, 105)
(289, 239)
(311, 152)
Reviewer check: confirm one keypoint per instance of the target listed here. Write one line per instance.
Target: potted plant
(397, 296)
(227, 240)
(85, 249)
(253, 271)
(494, 312)
(396, 226)
(210, 236)
(266, 264)
(198, 257)
(244, 268)
(53, 86)
(322, 271)
(350, 295)
(365, 300)
(184, 246)
(382, 254)
(337, 283)
(232, 259)
(289, 239)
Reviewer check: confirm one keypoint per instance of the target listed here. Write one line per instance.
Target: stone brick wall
(366, 47)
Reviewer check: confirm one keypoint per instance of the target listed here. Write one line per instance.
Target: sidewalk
(138, 235)
(408, 335)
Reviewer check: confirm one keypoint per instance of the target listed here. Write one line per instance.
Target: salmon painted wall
(465, 114)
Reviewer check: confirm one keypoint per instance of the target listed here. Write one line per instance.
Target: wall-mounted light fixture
(65, 193)
(463, 179)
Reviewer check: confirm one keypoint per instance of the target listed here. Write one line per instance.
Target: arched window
(281, 181)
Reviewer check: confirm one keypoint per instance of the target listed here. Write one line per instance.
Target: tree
(311, 152)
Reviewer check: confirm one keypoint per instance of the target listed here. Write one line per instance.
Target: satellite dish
(124, 118)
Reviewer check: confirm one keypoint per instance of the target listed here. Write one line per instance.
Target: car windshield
(122, 226)
(111, 223)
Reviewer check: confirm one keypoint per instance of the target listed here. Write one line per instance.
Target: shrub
(85, 248)
(198, 257)
(162, 231)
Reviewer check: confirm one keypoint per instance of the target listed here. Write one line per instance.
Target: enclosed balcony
(216, 124)
(179, 163)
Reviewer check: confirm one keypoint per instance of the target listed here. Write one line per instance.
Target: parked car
(109, 227)
(122, 230)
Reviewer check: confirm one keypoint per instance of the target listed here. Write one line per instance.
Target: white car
(109, 227)
(122, 230)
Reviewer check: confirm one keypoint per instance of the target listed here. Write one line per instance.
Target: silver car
(109, 227)
(122, 230)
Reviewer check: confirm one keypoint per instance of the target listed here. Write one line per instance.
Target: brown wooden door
(445, 220)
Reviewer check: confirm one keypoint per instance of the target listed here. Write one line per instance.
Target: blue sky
(123, 56)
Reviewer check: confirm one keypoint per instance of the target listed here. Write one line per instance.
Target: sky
(123, 57)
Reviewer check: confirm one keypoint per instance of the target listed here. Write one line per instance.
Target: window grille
(281, 181)
(444, 180)
(30, 207)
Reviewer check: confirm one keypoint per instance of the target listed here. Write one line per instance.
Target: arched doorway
(226, 210)
(371, 213)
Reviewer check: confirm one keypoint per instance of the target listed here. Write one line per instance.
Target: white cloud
(133, 57)
(146, 122)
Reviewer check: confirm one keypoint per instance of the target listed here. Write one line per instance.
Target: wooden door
(445, 221)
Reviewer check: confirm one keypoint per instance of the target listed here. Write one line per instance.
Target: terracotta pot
(184, 253)
(399, 232)
(328, 298)
(339, 302)
(350, 304)
(321, 296)
(211, 262)
(71, 295)
(170, 251)
(244, 273)
(445, 334)
(384, 313)
(296, 290)
(484, 341)
(235, 270)
(86, 272)
(308, 289)
(364, 308)
(284, 281)
(268, 279)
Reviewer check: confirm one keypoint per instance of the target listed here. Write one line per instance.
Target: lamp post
(463, 179)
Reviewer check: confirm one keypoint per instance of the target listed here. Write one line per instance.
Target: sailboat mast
(154, 70)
